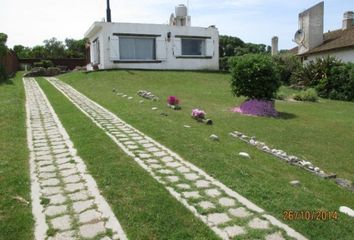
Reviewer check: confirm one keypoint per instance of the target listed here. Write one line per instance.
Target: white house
(314, 43)
(154, 46)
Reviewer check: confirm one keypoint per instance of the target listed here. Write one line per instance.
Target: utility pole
(108, 12)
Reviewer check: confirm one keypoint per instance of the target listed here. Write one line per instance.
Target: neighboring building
(154, 46)
(313, 43)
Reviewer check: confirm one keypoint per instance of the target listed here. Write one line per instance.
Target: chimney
(311, 24)
(275, 41)
(348, 20)
(108, 12)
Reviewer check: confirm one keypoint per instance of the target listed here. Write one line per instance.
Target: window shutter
(114, 48)
(209, 47)
(177, 48)
(161, 51)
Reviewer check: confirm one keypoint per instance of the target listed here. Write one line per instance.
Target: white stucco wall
(104, 31)
(346, 55)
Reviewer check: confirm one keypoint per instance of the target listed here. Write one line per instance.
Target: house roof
(332, 40)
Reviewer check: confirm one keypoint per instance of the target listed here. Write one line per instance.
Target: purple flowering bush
(172, 100)
(257, 108)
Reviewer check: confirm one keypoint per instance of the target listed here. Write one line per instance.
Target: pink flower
(172, 100)
(197, 113)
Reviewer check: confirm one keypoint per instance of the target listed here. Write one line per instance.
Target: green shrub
(311, 74)
(309, 95)
(224, 64)
(287, 64)
(280, 96)
(44, 64)
(254, 76)
(339, 85)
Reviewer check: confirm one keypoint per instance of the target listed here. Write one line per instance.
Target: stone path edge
(37, 208)
(41, 227)
(291, 232)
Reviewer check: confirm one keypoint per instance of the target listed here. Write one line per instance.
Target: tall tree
(75, 48)
(54, 48)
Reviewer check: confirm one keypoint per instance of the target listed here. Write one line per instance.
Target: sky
(29, 23)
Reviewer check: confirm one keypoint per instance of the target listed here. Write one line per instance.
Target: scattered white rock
(154, 108)
(295, 183)
(130, 98)
(245, 155)
(347, 210)
(186, 126)
(141, 101)
(214, 137)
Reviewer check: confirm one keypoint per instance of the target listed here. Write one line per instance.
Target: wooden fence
(11, 62)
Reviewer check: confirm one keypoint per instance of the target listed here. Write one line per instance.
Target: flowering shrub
(172, 100)
(257, 108)
(198, 114)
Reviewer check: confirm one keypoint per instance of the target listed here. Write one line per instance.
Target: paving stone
(213, 192)
(257, 223)
(63, 160)
(160, 154)
(51, 190)
(155, 166)
(240, 212)
(45, 163)
(92, 230)
(191, 176)
(72, 179)
(72, 187)
(153, 149)
(227, 202)
(202, 184)
(164, 171)
(79, 196)
(145, 141)
(167, 159)
(68, 235)
(50, 168)
(82, 205)
(68, 172)
(46, 175)
(56, 199)
(173, 164)
(183, 186)
(55, 210)
(152, 161)
(45, 157)
(89, 216)
(40, 149)
(132, 147)
(218, 218)
(59, 146)
(183, 169)
(194, 194)
(144, 155)
(106, 238)
(172, 178)
(61, 223)
(50, 182)
(137, 138)
(234, 231)
(67, 166)
(206, 205)
(274, 236)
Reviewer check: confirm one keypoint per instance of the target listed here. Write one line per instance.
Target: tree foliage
(53, 48)
(254, 76)
(3, 51)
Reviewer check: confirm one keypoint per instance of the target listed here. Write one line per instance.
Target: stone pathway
(226, 212)
(65, 200)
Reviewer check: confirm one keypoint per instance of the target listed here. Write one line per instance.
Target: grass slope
(144, 208)
(15, 215)
(320, 132)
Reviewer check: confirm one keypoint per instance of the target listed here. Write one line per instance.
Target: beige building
(313, 43)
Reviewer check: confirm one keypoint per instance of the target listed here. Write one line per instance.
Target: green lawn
(321, 132)
(15, 214)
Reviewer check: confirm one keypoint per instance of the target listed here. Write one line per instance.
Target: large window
(193, 47)
(96, 51)
(137, 48)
